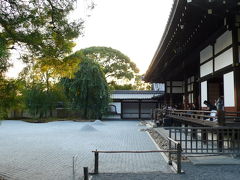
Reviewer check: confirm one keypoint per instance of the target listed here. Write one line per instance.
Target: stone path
(45, 151)
(192, 172)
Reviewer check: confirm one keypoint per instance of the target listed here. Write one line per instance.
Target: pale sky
(134, 27)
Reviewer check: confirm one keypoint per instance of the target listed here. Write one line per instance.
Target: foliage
(4, 64)
(114, 86)
(8, 96)
(116, 66)
(40, 27)
(88, 90)
(139, 84)
(40, 101)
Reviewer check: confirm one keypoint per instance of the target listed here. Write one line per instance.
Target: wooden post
(220, 140)
(221, 117)
(170, 148)
(204, 135)
(179, 151)
(186, 130)
(194, 133)
(121, 109)
(236, 67)
(96, 162)
(85, 172)
(73, 166)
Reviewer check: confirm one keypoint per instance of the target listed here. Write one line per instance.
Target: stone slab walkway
(192, 172)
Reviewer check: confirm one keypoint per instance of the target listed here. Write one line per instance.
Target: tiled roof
(132, 94)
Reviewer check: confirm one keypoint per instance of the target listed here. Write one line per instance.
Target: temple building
(198, 56)
(132, 104)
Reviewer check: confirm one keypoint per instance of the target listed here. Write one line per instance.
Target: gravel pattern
(44, 151)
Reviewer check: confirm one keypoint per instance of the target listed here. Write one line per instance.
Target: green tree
(116, 66)
(39, 27)
(139, 84)
(88, 90)
(40, 102)
(9, 97)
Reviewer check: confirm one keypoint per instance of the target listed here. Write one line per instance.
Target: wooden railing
(206, 118)
(207, 140)
(177, 150)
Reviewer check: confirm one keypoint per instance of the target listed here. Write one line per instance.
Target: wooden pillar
(139, 109)
(194, 133)
(121, 109)
(204, 135)
(236, 66)
(171, 95)
(220, 140)
(185, 92)
(96, 161)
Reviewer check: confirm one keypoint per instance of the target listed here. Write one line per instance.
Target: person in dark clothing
(210, 106)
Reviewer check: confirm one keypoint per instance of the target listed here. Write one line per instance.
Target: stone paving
(45, 151)
(192, 172)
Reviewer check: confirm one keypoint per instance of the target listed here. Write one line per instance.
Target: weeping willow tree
(88, 90)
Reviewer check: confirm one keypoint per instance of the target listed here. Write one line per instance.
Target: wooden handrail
(136, 151)
(178, 152)
(170, 139)
(199, 115)
(200, 111)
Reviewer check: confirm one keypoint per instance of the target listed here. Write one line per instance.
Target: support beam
(236, 66)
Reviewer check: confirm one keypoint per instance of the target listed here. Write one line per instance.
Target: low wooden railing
(177, 151)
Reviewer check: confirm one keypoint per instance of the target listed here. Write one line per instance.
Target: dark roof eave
(160, 46)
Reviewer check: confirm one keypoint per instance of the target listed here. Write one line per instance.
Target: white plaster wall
(206, 68)
(228, 80)
(224, 59)
(223, 41)
(190, 98)
(118, 106)
(203, 93)
(158, 86)
(206, 53)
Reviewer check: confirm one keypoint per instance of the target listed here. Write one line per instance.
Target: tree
(4, 64)
(139, 84)
(41, 101)
(116, 66)
(88, 90)
(8, 96)
(40, 27)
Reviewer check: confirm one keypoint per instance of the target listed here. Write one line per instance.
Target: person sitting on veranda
(211, 108)
(188, 107)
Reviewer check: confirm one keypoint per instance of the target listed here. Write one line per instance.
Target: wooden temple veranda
(198, 60)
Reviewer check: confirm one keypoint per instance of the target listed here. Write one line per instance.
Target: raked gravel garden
(45, 151)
